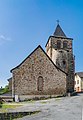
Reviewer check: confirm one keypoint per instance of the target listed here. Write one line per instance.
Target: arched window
(40, 83)
(65, 44)
(64, 63)
(58, 44)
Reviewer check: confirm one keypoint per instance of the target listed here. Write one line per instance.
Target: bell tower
(59, 49)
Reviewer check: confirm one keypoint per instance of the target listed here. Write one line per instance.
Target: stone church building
(47, 73)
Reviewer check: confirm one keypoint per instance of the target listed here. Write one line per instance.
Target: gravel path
(65, 108)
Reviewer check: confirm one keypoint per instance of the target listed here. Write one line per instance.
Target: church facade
(46, 73)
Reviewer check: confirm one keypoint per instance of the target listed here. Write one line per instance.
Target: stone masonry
(38, 64)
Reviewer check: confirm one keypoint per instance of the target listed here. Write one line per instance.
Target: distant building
(46, 73)
(79, 82)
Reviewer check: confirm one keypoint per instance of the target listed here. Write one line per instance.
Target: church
(46, 73)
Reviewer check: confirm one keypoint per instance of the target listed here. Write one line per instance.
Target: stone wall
(25, 77)
(63, 58)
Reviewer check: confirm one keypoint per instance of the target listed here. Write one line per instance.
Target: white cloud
(4, 39)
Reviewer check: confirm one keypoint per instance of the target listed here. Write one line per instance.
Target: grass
(43, 102)
(58, 98)
(5, 107)
(14, 116)
(31, 101)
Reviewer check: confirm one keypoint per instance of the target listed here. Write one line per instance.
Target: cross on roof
(58, 22)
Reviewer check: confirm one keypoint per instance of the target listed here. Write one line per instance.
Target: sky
(25, 24)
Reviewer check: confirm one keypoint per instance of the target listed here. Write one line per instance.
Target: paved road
(65, 108)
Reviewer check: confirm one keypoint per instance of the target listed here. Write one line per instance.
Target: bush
(4, 90)
(1, 102)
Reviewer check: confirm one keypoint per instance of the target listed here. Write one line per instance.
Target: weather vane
(58, 22)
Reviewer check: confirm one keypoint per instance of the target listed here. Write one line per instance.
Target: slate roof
(80, 74)
(59, 32)
(45, 54)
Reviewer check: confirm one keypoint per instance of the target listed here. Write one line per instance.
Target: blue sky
(24, 24)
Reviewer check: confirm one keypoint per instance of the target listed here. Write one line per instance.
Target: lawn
(5, 107)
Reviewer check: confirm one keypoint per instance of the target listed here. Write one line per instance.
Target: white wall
(76, 84)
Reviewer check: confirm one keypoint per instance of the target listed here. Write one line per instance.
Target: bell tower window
(65, 44)
(58, 44)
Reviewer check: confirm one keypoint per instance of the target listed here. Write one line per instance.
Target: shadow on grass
(14, 115)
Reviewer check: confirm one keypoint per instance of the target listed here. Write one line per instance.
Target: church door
(40, 83)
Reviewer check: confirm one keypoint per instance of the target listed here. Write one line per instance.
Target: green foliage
(4, 90)
(1, 103)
